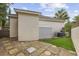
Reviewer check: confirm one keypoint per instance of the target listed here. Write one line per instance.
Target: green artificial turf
(64, 42)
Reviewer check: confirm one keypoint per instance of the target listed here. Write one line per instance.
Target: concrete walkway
(33, 48)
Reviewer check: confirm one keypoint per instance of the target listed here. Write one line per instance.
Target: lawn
(64, 42)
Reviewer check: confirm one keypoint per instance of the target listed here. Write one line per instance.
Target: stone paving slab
(6, 41)
(64, 52)
(53, 49)
(7, 44)
(46, 53)
(3, 52)
(13, 51)
(38, 52)
(20, 54)
(9, 47)
(31, 48)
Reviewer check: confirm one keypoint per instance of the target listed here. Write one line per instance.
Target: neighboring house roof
(41, 17)
(51, 19)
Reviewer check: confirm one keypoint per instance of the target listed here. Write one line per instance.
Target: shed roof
(26, 11)
(41, 17)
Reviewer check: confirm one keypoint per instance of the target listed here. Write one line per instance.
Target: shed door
(45, 32)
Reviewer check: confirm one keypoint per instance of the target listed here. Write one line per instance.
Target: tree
(8, 13)
(3, 13)
(76, 18)
(63, 15)
(68, 27)
(4, 7)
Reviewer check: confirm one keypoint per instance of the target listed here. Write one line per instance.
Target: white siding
(28, 29)
(13, 27)
(45, 32)
(55, 27)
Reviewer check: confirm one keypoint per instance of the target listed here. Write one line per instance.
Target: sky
(48, 9)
